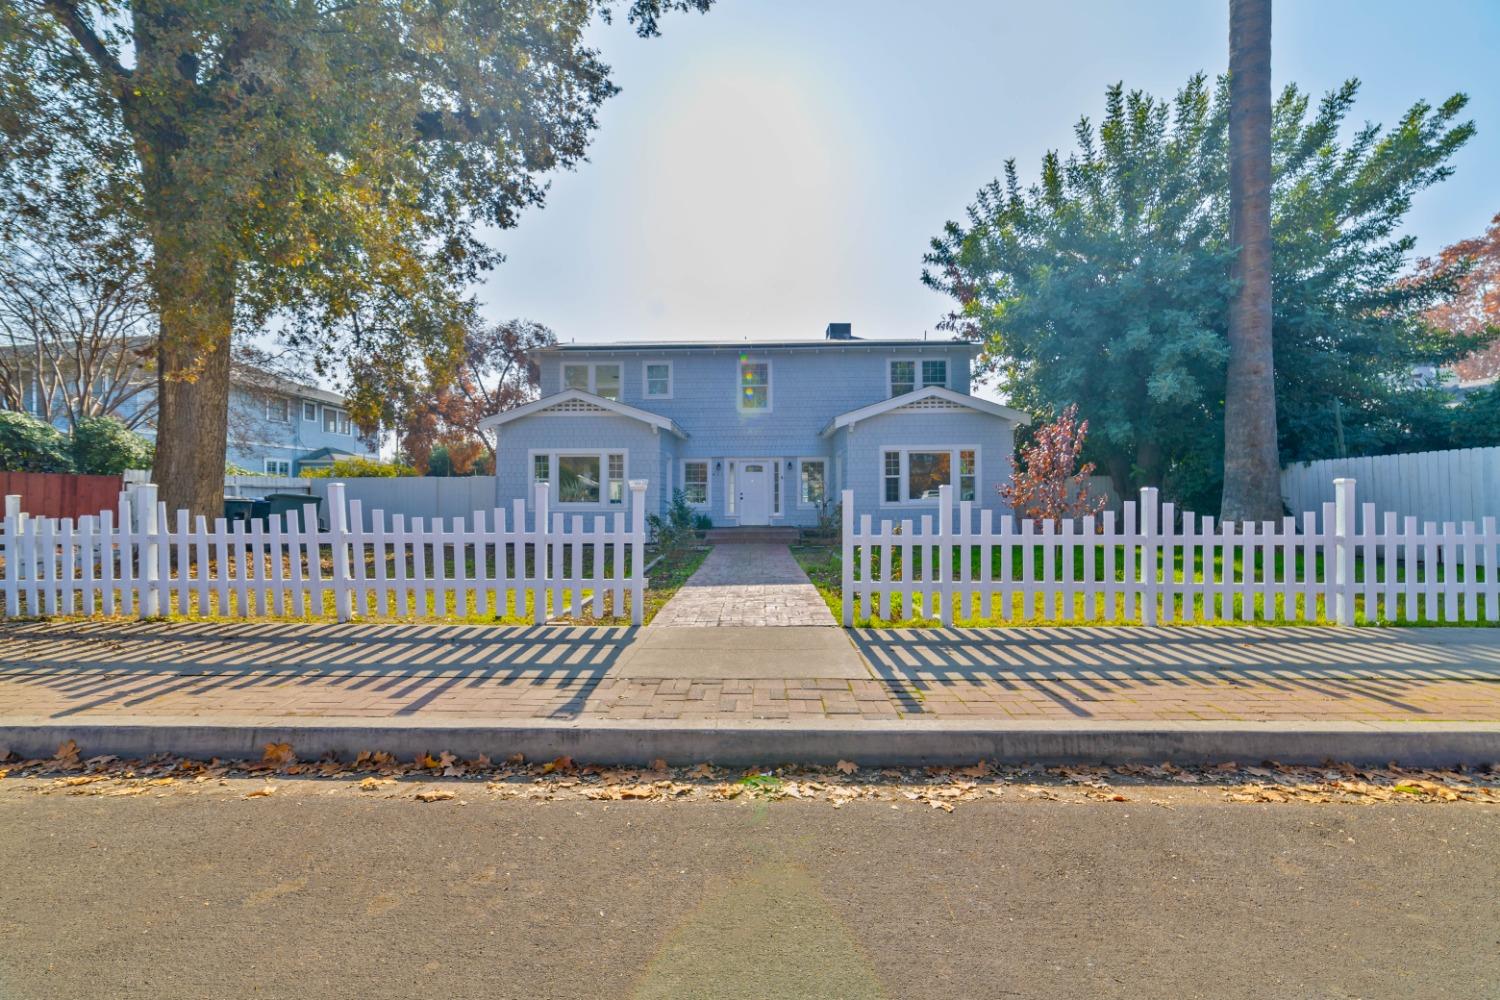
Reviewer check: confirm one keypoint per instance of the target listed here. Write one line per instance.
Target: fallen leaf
(846, 766)
(659, 764)
(702, 771)
(278, 754)
(433, 795)
(428, 761)
(261, 792)
(560, 764)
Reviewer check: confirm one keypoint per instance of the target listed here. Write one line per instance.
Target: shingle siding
(809, 387)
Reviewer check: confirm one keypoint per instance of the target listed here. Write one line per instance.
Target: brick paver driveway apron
(749, 584)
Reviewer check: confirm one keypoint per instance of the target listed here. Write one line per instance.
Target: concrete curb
(914, 742)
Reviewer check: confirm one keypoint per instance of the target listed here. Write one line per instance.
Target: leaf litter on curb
(443, 774)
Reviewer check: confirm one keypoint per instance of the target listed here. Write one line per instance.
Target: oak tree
(299, 164)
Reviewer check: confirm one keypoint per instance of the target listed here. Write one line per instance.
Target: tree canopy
(1106, 283)
(324, 168)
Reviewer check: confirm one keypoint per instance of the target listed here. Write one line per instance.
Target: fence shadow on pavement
(388, 668)
(1078, 667)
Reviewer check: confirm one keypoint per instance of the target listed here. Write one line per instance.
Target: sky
(773, 166)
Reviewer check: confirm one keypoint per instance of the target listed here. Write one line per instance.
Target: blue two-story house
(758, 433)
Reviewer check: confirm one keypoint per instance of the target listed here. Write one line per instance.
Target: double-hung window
(754, 384)
(658, 379)
(599, 379)
(909, 376)
(278, 409)
(335, 421)
(278, 467)
(309, 411)
(913, 475)
(812, 481)
(695, 482)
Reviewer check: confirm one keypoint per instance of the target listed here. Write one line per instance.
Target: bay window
(913, 475)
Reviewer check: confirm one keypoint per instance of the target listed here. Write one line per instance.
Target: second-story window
(600, 379)
(335, 421)
(278, 409)
(310, 411)
(909, 376)
(658, 375)
(755, 384)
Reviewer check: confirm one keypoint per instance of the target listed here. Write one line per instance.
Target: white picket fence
(138, 562)
(1146, 567)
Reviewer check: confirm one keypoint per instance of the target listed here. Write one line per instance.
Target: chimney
(840, 331)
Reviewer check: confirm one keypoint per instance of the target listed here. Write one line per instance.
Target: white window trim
(905, 449)
(739, 385)
(593, 369)
(287, 403)
(708, 489)
(554, 454)
(827, 485)
(646, 392)
(917, 383)
(266, 463)
(315, 415)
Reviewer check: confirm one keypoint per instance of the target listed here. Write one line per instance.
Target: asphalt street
(326, 894)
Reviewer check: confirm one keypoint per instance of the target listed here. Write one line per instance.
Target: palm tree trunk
(1252, 470)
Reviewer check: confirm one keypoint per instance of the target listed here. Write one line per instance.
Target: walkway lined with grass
(265, 673)
(746, 584)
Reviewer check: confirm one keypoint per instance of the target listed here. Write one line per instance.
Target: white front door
(753, 487)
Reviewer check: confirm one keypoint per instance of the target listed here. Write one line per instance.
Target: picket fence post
(945, 555)
(12, 555)
(846, 542)
(1150, 589)
(637, 551)
(338, 530)
(539, 555)
(147, 600)
(1343, 542)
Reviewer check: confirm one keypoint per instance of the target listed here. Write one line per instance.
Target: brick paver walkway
(746, 584)
(271, 671)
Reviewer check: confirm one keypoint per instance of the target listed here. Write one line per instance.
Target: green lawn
(664, 579)
(824, 567)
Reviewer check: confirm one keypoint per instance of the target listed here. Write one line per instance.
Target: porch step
(731, 536)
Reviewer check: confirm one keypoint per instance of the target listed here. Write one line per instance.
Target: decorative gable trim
(925, 401)
(576, 402)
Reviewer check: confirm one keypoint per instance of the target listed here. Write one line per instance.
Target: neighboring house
(282, 428)
(276, 426)
(758, 433)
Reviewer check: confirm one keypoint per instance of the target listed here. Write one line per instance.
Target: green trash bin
(293, 503)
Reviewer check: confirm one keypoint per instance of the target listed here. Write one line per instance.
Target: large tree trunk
(1252, 471)
(192, 417)
(195, 303)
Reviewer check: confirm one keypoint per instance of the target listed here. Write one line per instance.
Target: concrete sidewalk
(931, 688)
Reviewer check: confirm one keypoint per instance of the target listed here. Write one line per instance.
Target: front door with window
(753, 488)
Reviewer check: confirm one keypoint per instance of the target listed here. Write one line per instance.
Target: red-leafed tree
(1047, 483)
(1475, 310)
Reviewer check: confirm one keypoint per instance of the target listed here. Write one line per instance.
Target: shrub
(702, 522)
(673, 532)
(1047, 483)
(103, 446)
(31, 445)
(359, 468)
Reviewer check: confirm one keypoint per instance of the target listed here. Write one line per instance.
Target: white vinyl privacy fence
(141, 562)
(1342, 563)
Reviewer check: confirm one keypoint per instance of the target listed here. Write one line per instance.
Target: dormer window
(911, 375)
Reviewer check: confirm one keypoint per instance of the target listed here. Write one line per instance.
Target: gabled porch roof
(574, 401)
(926, 400)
